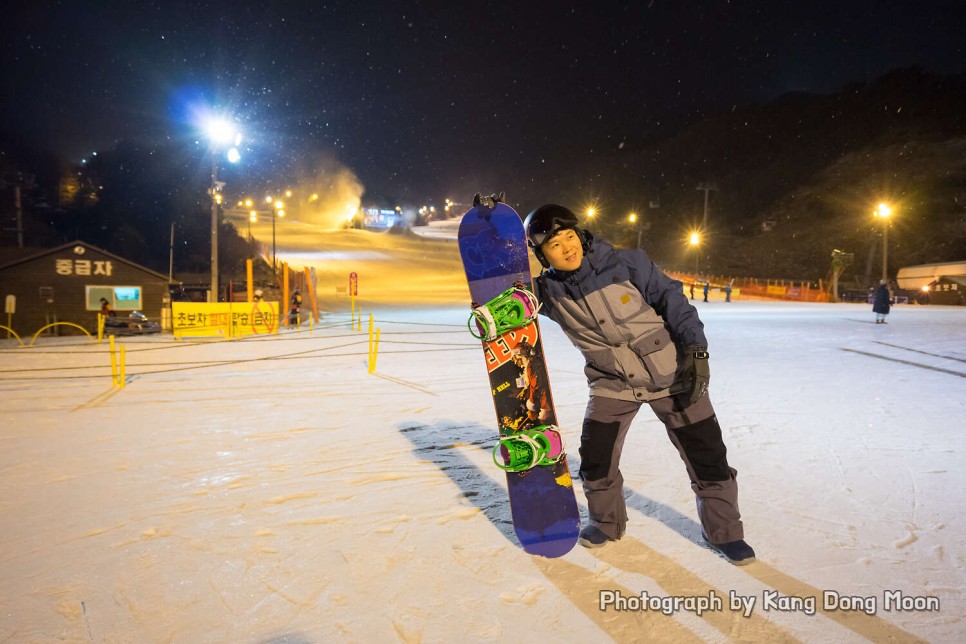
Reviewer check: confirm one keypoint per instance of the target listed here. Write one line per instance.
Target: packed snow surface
(271, 489)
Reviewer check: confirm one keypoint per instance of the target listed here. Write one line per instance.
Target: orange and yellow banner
(223, 319)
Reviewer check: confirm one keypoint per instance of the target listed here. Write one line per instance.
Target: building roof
(915, 277)
(12, 256)
(957, 279)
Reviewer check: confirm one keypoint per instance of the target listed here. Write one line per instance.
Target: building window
(121, 298)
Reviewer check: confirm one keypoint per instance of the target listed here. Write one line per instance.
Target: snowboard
(493, 247)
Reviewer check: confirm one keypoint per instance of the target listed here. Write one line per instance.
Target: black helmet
(545, 222)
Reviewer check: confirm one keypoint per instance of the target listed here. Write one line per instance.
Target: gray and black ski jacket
(629, 320)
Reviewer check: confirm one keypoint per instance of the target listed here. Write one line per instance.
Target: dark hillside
(812, 167)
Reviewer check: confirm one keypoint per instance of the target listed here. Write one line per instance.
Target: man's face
(563, 250)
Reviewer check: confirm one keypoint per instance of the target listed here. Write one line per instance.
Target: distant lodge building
(381, 217)
(66, 284)
(938, 283)
(947, 290)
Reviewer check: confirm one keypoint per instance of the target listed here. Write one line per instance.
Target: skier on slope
(643, 343)
(293, 314)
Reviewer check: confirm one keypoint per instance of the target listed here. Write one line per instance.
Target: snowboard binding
(511, 309)
(522, 451)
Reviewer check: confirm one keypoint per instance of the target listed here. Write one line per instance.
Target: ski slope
(273, 490)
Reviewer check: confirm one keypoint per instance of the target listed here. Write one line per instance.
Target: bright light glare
(632, 217)
(695, 239)
(882, 210)
(234, 156)
(220, 131)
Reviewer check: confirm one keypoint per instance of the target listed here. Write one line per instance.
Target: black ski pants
(693, 430)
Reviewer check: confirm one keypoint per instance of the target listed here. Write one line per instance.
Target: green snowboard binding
(522, 451)
(511, 309)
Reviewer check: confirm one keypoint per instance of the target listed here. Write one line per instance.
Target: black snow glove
(697, 371)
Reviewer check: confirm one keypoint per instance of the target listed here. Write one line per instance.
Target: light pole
(695, 240)
(706, 187)
(883, 211)
(213, 289)
(220, 133)
(278, 210)
(633, 218)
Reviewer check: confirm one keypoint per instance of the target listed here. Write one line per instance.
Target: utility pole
(18, 207)
(213, 294)
(171, 256)
(707, 188)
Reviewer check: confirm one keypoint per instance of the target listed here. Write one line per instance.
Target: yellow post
(373, 345)
(375, 352)
(370, 343)
(248, 278)
(285, 296)
(123, 362)
(113, 364)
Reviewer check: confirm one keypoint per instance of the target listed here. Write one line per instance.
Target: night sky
(423, 100)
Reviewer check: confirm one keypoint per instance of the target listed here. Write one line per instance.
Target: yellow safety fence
(223, 319)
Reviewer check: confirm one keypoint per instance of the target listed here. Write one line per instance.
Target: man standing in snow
(880, 302)
(643, 343)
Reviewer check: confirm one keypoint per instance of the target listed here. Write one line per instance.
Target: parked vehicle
(136, 323)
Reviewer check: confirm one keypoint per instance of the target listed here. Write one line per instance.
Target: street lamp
(220, 133)
(883, 211)
(694, 241)
(634, 219)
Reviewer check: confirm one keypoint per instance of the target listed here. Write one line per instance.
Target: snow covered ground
(272, 490)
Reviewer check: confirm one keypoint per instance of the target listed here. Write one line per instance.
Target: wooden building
(948, 289)
(66, 284)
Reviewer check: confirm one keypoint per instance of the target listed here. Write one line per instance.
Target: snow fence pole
(113, 363)
(373, 345)
(123, 364)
